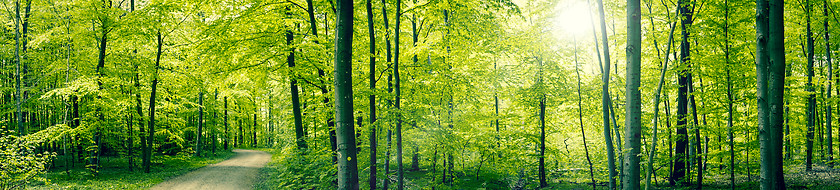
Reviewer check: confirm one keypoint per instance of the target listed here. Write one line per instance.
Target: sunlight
(573, 18)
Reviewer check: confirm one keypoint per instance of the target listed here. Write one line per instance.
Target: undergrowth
(114, 173)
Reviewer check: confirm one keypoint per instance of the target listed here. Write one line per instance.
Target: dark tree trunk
(290, 59)
(347, 169)
(400, 182)
(372, 97)
(151, 135)
(227, 131)
(812, 101)
(680, 166)
(828, 90)
(198, 135)
(770, 68)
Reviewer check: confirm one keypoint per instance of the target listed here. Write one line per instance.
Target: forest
(422, 94)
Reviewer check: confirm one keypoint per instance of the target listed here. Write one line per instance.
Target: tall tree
(227, 132)
(372, 97)
(386, 183)
(152, 98)
(605, 94)
(730, 100)
(290, 59)
(198, 135)
(809, 87)
(348, 175)
(681, 166)
(400, 181)
(633, 118)
(542, 127)
(19, 113)
(828, 90)
(770, 76)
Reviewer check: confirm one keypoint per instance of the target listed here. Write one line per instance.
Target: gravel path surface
(239, 172)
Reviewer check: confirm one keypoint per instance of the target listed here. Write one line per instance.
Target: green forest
(419, 94)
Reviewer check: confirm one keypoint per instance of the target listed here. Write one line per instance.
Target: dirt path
(239, 172)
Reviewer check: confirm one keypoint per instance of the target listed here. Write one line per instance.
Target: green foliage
(20, 161)
(291, 169)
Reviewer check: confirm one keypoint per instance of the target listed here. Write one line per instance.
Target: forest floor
(115, 174)
(239, 172)
(820, 178)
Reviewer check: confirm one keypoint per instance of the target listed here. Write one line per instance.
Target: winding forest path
(239, 172)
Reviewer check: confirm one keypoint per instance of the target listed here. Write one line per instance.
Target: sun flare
(573, 18)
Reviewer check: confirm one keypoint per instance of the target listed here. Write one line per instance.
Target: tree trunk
(227, 131)
(151, 135)
(729, 103)
(605, 94)
(372, 97)
(215, 128)
(542, 143)
(681, 167)
(290, 59)
(19, 113)
(580, 118)
(633, 122)
(656, 95)
(828, 90)
(812, 101)
(386, 181)
(770, 68)
(347, 170)
(400, 181)
(198, 145)
(254, 128)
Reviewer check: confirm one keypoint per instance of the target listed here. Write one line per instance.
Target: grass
(115, 174)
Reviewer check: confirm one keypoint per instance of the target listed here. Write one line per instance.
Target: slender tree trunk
(580, 118)
(400, 182)
(296, 111)
(542, 139)
(828, 90)
(227, 131)
(215, 128)
(372, 97)
(347, 169)
(155, 80)
(730, 101)
(254, 128)
(198, 145)
(812, 101)
(696, 129)
(652, 151)
(387, 181)
(605, 93)
(19, 113)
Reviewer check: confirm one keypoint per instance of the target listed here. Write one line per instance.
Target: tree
(770, 76)
(633, 122)
(346, 139)
(812, 99)
(681, 167)
(400, 181)
(828, 89)
(152, 98)
(290, 59)
(605, 93)
(372, 97)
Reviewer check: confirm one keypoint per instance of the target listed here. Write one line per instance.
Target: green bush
(20, 162)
